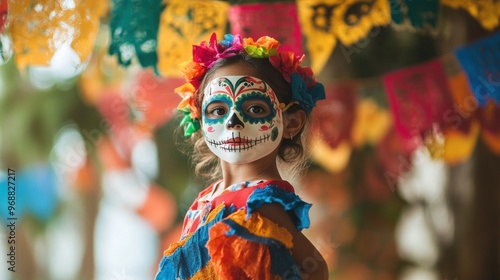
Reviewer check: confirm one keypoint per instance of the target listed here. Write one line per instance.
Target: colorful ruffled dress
(225, 238)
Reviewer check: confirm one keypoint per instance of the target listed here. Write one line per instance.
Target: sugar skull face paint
(241, 118)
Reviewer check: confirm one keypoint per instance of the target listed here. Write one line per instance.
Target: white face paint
(241, 118)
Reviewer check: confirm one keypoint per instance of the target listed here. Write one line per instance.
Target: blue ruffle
(185, 261)
(289, 201)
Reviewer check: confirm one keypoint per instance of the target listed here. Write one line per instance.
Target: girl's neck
(236, 173)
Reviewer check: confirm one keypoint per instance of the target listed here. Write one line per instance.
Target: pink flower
(208, 53)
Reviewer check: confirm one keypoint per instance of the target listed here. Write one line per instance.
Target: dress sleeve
(291, 202)
(251, 247)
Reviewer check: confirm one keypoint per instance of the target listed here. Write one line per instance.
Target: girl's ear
(293, 123)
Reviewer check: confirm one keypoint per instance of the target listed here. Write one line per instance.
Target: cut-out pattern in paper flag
(418, 97)
(354, 19)
(183, 24)
(39, 27)
(487, 12)
(134, 29)
(481, 61)
(325, 21)
(277, 20)
(418, 14)
(316, 19)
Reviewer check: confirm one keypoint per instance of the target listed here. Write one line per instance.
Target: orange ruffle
(234, 257)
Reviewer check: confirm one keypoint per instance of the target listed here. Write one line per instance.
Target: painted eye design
(255, 107)
(216, 108)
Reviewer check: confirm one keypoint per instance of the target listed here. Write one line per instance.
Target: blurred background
(405, 150)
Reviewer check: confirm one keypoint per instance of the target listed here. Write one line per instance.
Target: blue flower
(306, 97)
(228, 40)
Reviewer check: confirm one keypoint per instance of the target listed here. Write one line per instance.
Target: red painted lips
(236, 141)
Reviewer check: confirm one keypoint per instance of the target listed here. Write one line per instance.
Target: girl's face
(241, 118)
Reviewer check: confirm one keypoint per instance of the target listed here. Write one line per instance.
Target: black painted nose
(234, 122)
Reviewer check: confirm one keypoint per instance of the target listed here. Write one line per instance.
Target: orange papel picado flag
(39, 27)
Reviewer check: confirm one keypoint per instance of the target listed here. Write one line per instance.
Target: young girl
(245, 106)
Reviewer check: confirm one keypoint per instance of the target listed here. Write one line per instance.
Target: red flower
(286, 62)
(307, 74)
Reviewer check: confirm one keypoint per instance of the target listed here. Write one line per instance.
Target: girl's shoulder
(280, 193)
(280, 184)
(249, 186)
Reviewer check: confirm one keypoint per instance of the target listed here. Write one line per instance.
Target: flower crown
(305, 89)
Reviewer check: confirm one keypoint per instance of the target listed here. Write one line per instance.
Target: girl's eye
(257, 109)
(216, 110)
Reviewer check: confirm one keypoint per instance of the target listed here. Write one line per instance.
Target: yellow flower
(267, 42)
(264, 47)
(188, 93)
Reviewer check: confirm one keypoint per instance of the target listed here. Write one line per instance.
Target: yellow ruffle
(260, 226)
(206, 273)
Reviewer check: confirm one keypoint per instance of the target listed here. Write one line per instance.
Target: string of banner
(156, 34)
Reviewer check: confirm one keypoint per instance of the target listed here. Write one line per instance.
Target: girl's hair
(292, 153)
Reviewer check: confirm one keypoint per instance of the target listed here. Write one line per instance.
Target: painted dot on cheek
(210, 129)
(264, 128)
